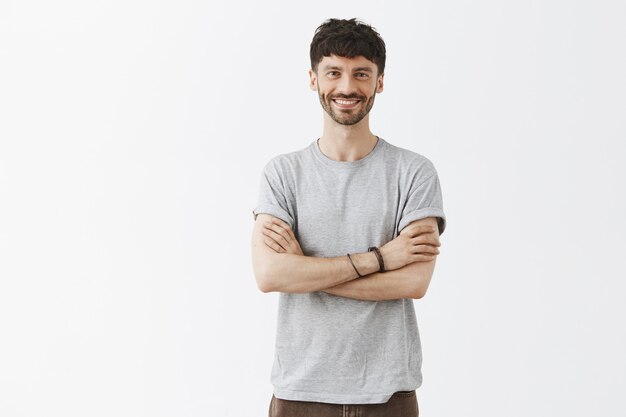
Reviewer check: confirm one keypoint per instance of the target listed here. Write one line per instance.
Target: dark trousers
(401, 404)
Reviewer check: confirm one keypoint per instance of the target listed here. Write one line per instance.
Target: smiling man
(347, 232)
(347, 109)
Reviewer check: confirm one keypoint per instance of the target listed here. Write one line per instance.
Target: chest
(339, 214)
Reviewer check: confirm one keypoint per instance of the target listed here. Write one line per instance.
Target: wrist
(379, 257)
(364, 263)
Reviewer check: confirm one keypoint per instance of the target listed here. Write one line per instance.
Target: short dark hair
(347, 38)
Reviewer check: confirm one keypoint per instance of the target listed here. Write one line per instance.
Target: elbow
(263, 279)
(419, 287)
(419, 292)
(420, 274)
(264, 285)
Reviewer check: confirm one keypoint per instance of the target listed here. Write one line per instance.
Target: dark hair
(347, 38)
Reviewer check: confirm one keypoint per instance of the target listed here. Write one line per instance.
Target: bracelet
(357, 271)
(379, 255)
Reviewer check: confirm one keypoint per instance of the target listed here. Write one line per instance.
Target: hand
(416, 243)
(280, 237)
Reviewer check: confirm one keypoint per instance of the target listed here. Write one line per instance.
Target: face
(346, 87)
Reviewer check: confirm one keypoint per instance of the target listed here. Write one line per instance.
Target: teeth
(345, 101)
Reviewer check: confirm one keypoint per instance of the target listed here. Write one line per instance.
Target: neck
(347, 143)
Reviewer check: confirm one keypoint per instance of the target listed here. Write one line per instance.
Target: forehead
(346, 64)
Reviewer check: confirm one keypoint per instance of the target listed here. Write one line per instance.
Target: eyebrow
(334, 67)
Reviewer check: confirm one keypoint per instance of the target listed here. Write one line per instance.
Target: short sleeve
(424, 200)
(272, 196)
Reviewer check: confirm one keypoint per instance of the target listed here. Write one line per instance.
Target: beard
(346, 117)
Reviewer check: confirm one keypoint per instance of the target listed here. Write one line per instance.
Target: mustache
(347, 97)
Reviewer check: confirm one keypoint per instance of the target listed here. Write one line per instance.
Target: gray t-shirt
(335, 349)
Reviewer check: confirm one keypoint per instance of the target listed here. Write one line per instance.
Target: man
(347, 231)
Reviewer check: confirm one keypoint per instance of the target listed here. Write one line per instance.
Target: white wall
(132, 137)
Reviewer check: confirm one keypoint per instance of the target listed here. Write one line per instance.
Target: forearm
(410, 281)
(291, 273)
(279, 264)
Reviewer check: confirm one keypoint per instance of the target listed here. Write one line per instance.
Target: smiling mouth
(345, 103)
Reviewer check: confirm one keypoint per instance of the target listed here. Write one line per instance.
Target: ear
(380, 83)
(313, 80)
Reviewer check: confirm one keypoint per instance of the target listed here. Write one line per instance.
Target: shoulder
(288, 162)
(410, 162)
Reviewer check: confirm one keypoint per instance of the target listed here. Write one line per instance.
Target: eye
(361, 75)
(332, 73)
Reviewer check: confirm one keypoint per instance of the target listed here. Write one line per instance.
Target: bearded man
(347, 231)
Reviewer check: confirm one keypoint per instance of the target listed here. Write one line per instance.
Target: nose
(346, 85)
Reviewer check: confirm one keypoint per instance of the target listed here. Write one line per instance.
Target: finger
(423, 258)
(421, 229)
(276, 220)
(274, 246)
(277, 237)
(282, 228)
(279, 222)
(426, 249)
(426, 239)
(284, 225)
(273, 226)
(291, 234)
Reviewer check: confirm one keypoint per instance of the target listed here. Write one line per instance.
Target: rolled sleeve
(272, 197)
(424, 200)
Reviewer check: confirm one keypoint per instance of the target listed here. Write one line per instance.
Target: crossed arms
(280, 265)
